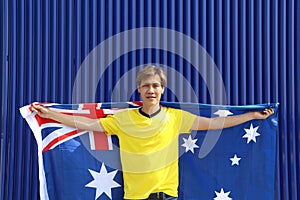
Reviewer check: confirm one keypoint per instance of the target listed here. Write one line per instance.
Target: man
(148, 136)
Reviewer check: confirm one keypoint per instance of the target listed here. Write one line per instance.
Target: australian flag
(232, 163)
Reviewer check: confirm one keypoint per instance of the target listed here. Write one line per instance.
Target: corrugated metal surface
(254, 44)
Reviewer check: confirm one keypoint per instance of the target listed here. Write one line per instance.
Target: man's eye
(151, 85)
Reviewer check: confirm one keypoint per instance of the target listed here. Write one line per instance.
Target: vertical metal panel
(297, 95)
(3, 82)
(255, 45)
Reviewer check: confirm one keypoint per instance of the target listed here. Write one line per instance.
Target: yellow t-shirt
(149, 149)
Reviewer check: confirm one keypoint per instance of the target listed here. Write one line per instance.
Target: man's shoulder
(126, 111)
(172, 110)
(177, 111)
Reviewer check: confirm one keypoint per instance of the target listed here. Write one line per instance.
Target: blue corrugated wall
(255, 46)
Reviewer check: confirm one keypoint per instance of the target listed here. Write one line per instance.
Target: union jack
(54, 133)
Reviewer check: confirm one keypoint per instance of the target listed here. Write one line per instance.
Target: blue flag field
(232, 163)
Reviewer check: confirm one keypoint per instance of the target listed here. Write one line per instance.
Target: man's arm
(204, 123)
(79, 122)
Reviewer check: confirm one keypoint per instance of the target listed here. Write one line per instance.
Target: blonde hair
(151, 70)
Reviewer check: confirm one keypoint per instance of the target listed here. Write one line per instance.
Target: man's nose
(151, 88)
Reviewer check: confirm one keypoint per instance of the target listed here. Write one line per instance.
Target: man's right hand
(79, 122)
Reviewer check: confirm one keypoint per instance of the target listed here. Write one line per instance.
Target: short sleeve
(109, 124)
(186, 121)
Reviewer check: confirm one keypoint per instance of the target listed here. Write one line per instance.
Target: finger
(269, 111)
(35, 104)
(35, 110)
(39, 109)
(266, 111)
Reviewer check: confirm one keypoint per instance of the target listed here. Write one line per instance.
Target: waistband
(158, 196)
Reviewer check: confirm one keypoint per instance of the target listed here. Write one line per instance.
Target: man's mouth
(151, 97)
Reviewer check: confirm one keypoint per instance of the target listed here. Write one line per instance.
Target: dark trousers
(160, 196)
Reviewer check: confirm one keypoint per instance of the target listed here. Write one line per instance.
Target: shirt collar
(151, 115)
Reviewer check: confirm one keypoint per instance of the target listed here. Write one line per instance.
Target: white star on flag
(223, 113)
(189, 144)
(222, 196)
(103, 181)
(235, 160)
(251, 133)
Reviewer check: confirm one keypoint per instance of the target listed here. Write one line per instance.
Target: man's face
(151, 90)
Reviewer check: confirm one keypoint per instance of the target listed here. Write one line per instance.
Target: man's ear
(163, 89)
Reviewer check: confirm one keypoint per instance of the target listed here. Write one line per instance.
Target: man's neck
(150, 109)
